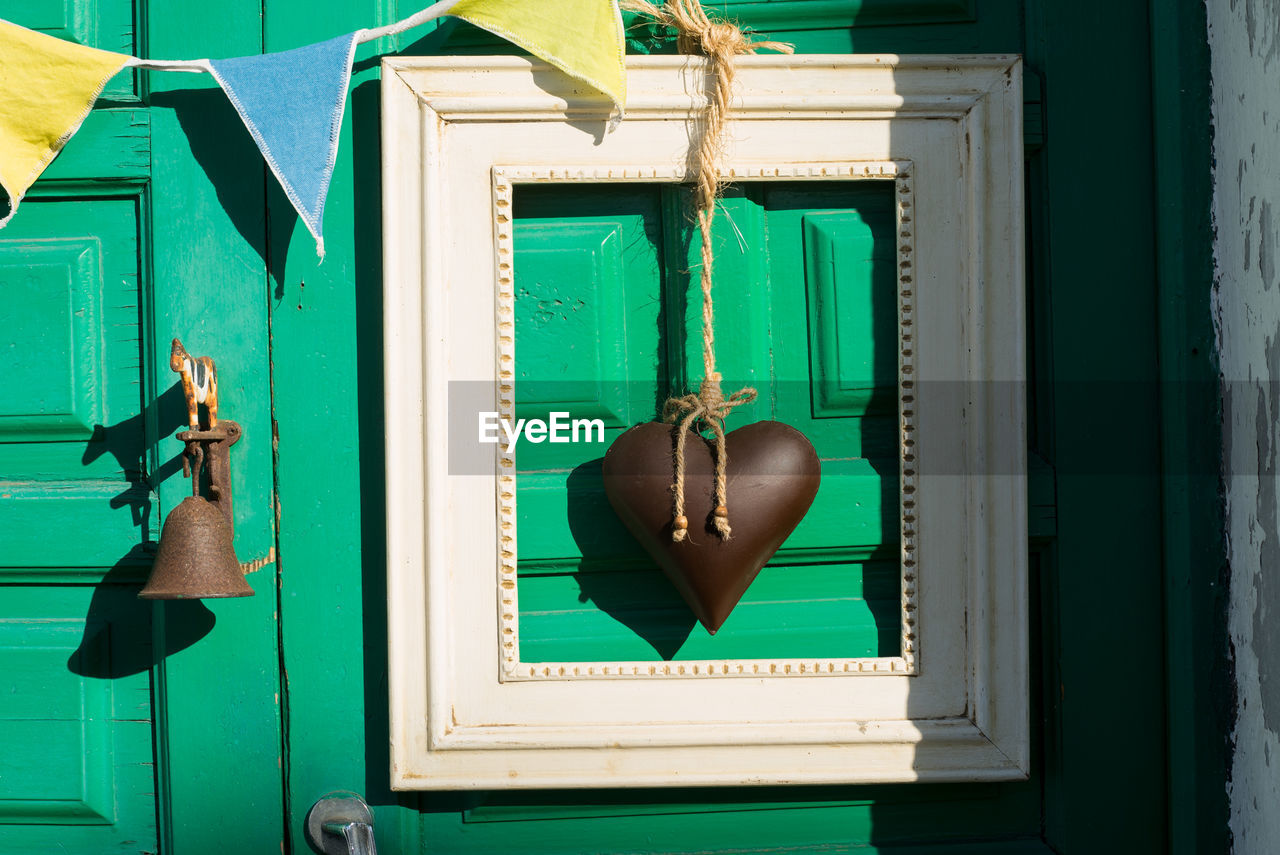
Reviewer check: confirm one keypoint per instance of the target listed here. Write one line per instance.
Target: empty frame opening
(608, 320)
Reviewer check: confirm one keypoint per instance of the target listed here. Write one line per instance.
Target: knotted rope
(721, 43)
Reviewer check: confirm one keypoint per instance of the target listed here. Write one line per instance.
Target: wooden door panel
(573, 282)
(54, 385)
(72, 439)
(585, 292)
(837, 371)
(75, 724)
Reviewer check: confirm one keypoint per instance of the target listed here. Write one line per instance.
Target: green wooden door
(127, 726)
(214, 727)
(588, 259)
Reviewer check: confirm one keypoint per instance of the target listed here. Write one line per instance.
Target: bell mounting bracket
(211, 450)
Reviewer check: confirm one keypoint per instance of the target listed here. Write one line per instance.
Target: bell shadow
(126, 442)
(120, 637)
(621, 580)
(120, 631)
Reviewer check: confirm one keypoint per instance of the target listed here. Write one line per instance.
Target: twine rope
(721, 43)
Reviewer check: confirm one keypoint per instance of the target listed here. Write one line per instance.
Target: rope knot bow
(697, 33)
(711, 407)
(719, 39)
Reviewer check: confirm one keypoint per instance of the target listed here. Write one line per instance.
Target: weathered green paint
(112, 145)
(326, 322)
(219, 727)
(588, 284)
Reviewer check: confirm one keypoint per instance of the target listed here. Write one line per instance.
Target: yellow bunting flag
(47, 87)
(583, 38)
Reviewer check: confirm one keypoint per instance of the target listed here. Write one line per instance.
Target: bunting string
(292, 102)
(431, 13)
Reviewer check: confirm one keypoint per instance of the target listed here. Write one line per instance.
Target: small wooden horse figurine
(199, 384)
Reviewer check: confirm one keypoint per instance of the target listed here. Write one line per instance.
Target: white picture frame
(466, 713)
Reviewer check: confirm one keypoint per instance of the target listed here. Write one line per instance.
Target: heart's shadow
(616, 575)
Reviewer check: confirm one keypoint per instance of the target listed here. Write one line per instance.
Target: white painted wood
(1246, 195)
(465, 711)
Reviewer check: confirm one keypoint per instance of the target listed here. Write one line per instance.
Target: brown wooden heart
(772, 478)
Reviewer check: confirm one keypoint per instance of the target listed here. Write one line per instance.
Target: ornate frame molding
(505, 179)
(458, 133)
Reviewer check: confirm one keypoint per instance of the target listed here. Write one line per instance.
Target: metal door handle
(341, 824)
(358, 835)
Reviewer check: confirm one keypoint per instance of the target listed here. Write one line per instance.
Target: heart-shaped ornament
(772, 478)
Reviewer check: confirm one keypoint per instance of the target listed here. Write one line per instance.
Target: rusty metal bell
(195, 558)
